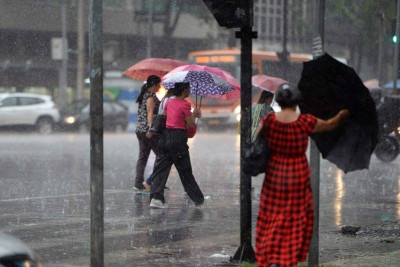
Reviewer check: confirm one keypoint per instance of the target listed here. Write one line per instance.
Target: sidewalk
(391, 259)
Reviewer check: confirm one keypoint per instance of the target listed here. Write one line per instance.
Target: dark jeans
(145, 146)
(174, 150)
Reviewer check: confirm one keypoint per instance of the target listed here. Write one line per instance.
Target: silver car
(28, 110)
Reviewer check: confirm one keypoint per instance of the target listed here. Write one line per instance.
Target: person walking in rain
(164, 100)
(260, 109)
(173, 149)
(285, 217)
(148, 108)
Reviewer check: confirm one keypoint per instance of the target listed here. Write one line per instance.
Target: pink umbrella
(267, 83)
(152, 66)
(205, 81)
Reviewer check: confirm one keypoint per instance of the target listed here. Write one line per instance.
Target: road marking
(65, 195)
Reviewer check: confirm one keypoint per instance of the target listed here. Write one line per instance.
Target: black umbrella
(328, 86)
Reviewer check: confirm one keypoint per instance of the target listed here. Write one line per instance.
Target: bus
(229, 60)
(217, 112)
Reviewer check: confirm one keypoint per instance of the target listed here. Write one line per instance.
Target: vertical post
(285, 54)
(245, 251)
(96, 133)
(150, 28)
(396, 49)
(80, 68)
(381, 17)
(318, 49)
(64, 61)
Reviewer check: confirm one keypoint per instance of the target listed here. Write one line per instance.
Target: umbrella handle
(196, 95)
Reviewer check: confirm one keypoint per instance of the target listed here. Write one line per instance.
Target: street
(45, 201)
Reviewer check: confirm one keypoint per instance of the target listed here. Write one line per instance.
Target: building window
(278, 26)
(114, 3)
(264, 10)
(47, 2)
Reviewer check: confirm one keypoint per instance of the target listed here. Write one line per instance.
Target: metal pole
(284, 39)
(96, 133)
(150, 29)
(64, 61)
(396, 49)
(245, 251)
(381, 17)
(80, 68)
(318, 49)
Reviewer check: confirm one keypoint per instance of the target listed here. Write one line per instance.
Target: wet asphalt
(45, 201)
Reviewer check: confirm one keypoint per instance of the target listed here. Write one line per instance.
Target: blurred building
(130, 33)
(269, 21)
(27, 28)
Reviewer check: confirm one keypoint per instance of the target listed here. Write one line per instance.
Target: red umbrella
(152, 66)
(267, 83)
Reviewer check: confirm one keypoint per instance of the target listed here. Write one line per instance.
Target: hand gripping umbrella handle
(201, 97)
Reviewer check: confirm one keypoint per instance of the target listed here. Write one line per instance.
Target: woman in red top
(285, 217)
(173, 149)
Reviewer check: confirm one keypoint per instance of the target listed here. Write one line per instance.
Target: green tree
(358, 24)
(168, 13)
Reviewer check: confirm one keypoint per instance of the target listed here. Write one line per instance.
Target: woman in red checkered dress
(285, 218)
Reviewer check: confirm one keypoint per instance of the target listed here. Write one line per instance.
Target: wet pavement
(45, 201)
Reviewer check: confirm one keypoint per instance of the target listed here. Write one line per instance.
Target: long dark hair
(265, 95)
(151, 80)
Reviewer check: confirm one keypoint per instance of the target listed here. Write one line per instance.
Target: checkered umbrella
(204, 81)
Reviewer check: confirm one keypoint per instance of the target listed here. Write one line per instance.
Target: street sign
(57, 49)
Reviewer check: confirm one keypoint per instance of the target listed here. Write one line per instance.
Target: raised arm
(332, 123)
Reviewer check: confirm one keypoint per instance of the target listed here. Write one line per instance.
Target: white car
(33, 110)
(15, 253)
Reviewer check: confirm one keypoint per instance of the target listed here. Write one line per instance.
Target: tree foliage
(170, 11)
(360, 23)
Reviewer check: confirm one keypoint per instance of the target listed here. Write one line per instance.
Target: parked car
(28, 110)
(76, 116)
(15, 253)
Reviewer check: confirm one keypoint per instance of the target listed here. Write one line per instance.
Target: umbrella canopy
(204, 81)
(267, 83)
(327, 86)
(152, 66)
(390, 85)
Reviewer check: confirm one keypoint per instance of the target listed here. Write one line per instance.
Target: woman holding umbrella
(285, 218)
(260, 109)
(173, 149)
(164, 100)
(148, 107)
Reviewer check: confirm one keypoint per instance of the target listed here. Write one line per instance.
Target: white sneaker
(137, 188)
(156, 203)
